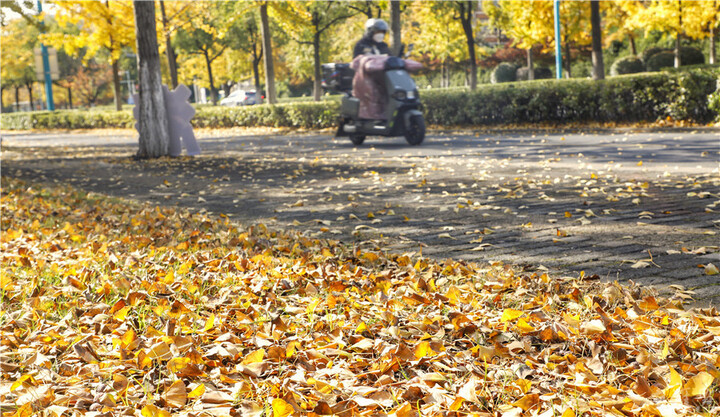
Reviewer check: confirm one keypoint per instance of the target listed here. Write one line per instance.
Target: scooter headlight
(400, 95)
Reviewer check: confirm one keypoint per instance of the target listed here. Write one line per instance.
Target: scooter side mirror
(409, 49)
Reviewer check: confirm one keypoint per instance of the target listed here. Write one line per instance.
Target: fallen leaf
(281, 408)
(698, 385)
(176, 395)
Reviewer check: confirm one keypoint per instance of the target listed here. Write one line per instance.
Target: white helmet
(373, 26)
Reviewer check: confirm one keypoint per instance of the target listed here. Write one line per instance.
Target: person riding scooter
(379, 95)
(368, 90)
(372, 42)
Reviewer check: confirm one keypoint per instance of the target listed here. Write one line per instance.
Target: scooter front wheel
(415, 131)
(357, 140)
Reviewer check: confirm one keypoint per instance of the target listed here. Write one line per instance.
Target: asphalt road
(625, 205)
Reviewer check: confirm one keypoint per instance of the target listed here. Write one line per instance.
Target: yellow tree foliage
(435, 35)
(688, 18)
(527, 23)
(106, 28)
(18, 40)
(617, 17)
(693, 19)
(309, 23)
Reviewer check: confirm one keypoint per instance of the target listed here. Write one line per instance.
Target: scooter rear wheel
(415, 132)
(357, 140)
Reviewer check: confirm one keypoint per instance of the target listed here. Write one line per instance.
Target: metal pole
(558, 46)
(46, 70)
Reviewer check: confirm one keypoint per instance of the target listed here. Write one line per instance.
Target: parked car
(239, 98)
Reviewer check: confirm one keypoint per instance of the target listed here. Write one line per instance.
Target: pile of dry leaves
(111, 308)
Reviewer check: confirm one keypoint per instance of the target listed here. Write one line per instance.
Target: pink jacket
(369, 84)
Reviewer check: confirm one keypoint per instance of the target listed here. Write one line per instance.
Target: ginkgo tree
(245, 37)
(307, 23)
(574, 22)
(17, 58)
(106, 31)
(619, 23)
(436, 36)
(679, 18)
(462, 11)
(206, 38)
(173, 16)
(525, 22)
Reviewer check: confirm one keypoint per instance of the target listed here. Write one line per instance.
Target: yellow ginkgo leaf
(281, 408)
(152, 411)
(568, 413)
(176, 394)
(209, 323)
(509, 315)
(197, 392)
(524, 326)
(177, 364)
(698, 385)
(423, 349)
(254, 357)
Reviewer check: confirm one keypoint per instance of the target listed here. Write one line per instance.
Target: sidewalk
(622, 205)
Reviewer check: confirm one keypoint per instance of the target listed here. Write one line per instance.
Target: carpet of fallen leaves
(114, 308)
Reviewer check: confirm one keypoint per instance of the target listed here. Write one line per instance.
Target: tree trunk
(531, 69)
(256, 74)
(213, 90)
(17, 98)
(316, 67)
(677, 38)
(69, 90)
(152, 115)
(466, 15)
(713, 34)
(116, 85)
(395, 27)
(568, 70)
(633, 48)
(169, 50)
(267, 55)
(598, 71)
(30, 96)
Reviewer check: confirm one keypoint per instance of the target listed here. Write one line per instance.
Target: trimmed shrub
(648, 53)
(660, 60)
(627, 65)
(543, 73)
(691, 56)
(714, 104)
(503, 73)
(522, 73)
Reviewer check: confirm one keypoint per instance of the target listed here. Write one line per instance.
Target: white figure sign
(179, 113)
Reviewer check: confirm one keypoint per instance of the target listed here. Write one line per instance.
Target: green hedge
(679, 94)
(303, 115)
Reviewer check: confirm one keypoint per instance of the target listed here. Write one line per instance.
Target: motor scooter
(401, 110)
